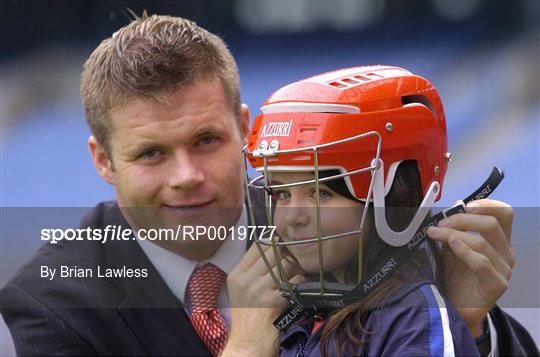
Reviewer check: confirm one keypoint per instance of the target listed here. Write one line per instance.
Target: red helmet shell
(404, 109)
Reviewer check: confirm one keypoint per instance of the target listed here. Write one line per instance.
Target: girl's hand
(478, 258)
(255, 303)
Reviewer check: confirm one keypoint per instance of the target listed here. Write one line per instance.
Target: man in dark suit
(161, 97)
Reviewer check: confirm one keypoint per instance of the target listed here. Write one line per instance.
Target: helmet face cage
(310, 290)
(339, 121)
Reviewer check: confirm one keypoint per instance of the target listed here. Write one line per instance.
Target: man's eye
(150, 154)
(207, 140)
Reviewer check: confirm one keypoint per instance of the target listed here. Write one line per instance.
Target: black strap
(487, 187)
(391, 264)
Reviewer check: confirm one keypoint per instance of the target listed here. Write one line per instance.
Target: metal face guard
(376, 194)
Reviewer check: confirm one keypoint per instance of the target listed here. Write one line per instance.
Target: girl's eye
(282, 195)
(322, 193)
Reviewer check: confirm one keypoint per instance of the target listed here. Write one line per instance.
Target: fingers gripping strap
(392, 263)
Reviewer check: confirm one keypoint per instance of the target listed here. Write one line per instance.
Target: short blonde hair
(149, 58)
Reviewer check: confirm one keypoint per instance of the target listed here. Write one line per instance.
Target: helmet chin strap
(389, 236)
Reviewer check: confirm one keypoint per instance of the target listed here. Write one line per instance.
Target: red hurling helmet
(403, 108)
(359, 120)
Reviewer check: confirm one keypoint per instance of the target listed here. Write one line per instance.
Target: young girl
(351, 161)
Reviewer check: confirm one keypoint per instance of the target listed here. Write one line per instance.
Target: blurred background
(483, 56)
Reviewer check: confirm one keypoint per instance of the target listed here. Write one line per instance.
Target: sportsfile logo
(277, 128)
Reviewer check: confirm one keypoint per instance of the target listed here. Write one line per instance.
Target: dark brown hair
(150, 58)
(402, 201)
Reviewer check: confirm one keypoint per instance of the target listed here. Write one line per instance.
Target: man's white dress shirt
(176, 270)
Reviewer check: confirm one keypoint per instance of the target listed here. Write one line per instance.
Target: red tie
(203, 290)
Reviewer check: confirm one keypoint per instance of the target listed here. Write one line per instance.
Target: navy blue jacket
(415, 321)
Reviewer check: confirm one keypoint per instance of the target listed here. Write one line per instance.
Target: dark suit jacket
(79, 316)
(112, 316)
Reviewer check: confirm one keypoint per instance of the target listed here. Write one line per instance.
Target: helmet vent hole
(375, 75)
(350, 81)
(409, 99)
(338, 85)
(362, 78)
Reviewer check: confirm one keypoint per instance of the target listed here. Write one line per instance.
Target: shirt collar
(176, 270)
(493, 338)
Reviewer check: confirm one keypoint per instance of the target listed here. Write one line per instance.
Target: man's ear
(101, 160)
(244, 123)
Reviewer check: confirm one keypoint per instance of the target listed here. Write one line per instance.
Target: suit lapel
(154, 314)
(163, 330)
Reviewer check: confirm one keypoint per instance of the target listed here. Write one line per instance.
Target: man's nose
(186, 172)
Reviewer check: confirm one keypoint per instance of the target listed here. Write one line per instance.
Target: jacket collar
(149, 307)
(304, 326)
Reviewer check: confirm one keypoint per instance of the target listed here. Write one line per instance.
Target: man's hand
(255, 303)
(478, 258)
